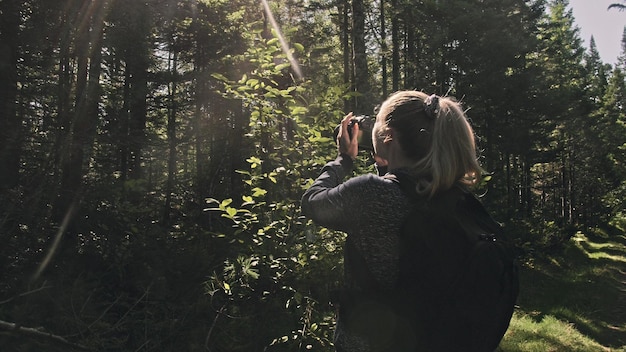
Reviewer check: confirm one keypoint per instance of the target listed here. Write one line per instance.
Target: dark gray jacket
(371, 210)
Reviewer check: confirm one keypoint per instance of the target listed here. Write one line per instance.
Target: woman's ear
(388, 136)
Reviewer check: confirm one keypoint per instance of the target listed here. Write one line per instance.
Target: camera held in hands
(366, 125)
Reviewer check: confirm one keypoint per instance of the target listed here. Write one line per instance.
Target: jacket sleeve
(326, 201)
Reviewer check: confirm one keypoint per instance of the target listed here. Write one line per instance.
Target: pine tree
(621, 59)
(10, 129)
(596, 74)
(559, 93)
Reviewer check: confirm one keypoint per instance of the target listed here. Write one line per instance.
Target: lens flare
(283, 43)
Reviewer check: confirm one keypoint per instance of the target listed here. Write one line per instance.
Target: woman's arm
(324, 202)
(341, 205)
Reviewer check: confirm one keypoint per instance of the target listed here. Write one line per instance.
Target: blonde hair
(435, 134)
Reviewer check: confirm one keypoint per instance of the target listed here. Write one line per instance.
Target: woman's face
(378, 138)
(375, 129)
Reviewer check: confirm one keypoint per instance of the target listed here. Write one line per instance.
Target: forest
(153, 154)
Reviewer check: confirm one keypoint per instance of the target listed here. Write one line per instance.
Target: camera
(366, 125)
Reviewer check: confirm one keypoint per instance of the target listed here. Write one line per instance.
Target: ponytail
(434, 132)
(452, 157)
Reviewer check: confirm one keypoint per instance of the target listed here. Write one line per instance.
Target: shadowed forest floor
(575, 301)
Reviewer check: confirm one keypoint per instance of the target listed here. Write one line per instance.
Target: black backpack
(458, 281)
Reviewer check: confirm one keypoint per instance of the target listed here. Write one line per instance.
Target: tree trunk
(137, 62)
(171, 139)
(362, 102)
(383, 49)
(72, 161)
(64, 111)
(411, 58)
(395, 43)
(345, 43)
(138, 67)
(85, 118)
(10, 131)
(527, 185)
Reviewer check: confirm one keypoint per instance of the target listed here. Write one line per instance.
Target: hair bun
(431, 106)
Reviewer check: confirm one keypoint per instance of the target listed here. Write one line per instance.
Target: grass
(574, 301)
(543, 334)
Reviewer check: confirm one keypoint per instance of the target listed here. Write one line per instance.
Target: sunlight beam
(57, 241)
(283, 43)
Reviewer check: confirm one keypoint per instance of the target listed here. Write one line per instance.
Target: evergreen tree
(596, 73)
(363, 99)
(591, 189)
(10, 129)
(558, 94)
(621, 59)
(610, 127)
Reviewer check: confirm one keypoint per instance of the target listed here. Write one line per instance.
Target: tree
(558, 88)
(609, 126)
(591, 158)
(362, 101)
(384, 50)
(621, 59)
(10, 129)
(597, 72)
(83, 117)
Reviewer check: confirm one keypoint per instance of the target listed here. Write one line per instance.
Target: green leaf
(252, 273)
(299, 47)
(231, 212)
(298, 110)
(220, 77)
(252, 82)
(282, 66)
(258, 192)
(226, 202)
(254, 162)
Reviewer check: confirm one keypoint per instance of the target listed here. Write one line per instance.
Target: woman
(426, 139)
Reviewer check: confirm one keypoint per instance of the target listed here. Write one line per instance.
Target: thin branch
(120, 320)
(37, 333)
(208, 336)
(619, 7)
(105, 312)
(43, 287)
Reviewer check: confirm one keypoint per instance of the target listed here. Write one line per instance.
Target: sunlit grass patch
(528, 333)
(603, 250)
(584, 288)
(581, 319)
